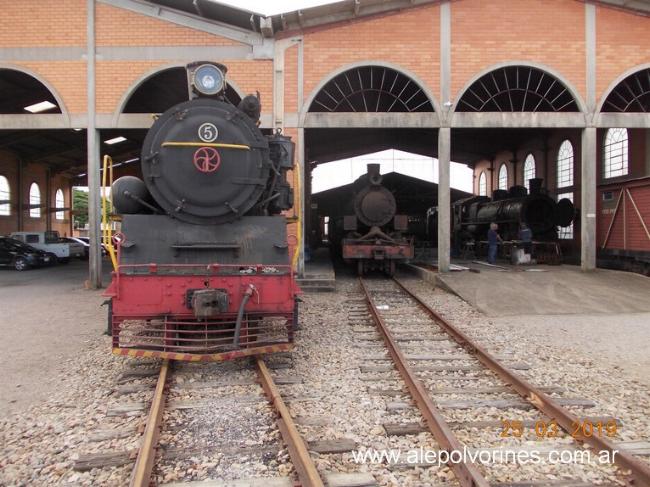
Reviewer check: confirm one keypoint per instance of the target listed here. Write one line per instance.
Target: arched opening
(630, 95)
(503, 177)
(529, 170)
(164, 89)
(371, 89)
(565, 161)
(34, 201)
(5, 197)
(615, 153)
(517, 89)
(59, 203)
(369, 112)
(565, 165)
(482, 184)
(21, 93)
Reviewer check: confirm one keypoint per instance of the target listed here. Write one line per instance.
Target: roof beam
(187, 20)
(344, 10)
(518, 120)
(372, 120)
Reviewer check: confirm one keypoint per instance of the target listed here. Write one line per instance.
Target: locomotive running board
(211, 357)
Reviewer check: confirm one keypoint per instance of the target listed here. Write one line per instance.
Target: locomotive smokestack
(373, 174)
(251, 106)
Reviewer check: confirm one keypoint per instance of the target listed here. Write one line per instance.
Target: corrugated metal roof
(638, 6)
(329, 13)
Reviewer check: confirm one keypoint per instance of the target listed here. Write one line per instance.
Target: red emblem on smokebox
(207, 159)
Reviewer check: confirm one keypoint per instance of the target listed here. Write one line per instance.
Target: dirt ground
(47, 317)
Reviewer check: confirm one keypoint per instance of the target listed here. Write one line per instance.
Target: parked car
(86, 245)
(51, 242)
(86, 242)
(20, 256)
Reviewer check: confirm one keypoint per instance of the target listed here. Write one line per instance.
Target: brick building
(478, 82)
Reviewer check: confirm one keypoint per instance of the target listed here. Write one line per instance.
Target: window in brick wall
(565, 165)
(34, 201)
(565, 233)
(5, 197)
(503, 177)
(529, 170)
(615, 153)
(482, 184)
(59, 202)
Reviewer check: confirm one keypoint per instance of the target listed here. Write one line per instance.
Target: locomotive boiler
(374, 235)
(204, 271)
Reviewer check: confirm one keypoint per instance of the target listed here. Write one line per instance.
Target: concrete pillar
(444, 200)
(94, 197)
(588, 199)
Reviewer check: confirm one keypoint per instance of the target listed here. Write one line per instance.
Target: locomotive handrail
(207, 144)
(106, 226)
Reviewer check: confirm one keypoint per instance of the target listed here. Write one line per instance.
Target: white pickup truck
(52, 243)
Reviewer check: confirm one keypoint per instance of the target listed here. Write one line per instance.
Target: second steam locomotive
(471, 217)
(374, 236)
(203, 271)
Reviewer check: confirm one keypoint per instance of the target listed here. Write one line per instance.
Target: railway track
(437, 361)
(149, 458)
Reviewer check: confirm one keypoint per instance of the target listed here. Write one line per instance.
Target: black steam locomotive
(373, 237)
(204, 271)
(471, 217)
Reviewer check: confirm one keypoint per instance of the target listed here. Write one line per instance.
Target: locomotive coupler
(207, 303)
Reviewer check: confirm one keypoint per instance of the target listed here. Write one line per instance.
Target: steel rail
(141, 474)
(541, 400)
(307, 472)
(467, 474)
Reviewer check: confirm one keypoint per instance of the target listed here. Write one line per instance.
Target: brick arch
(614, 84)
(49, 86)
(126, 96)
(359, 64)
(581, 106)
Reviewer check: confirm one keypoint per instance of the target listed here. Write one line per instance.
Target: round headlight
(208, 79)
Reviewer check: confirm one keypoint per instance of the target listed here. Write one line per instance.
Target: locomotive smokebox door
(207, 303)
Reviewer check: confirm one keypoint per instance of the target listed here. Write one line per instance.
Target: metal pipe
(240, 313)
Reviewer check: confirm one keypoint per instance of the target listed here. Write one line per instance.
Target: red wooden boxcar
(624, 225)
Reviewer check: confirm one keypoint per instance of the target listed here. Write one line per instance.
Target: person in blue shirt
(526, 237)
(493, 240)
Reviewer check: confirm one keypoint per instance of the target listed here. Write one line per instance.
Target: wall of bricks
(36, 23)
(550, 32)
(409, 38)
(622, 41)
